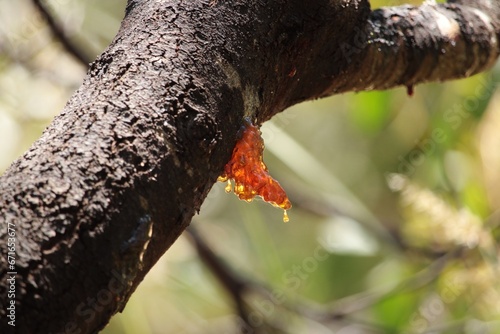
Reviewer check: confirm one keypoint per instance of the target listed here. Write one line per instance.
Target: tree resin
(249, 173)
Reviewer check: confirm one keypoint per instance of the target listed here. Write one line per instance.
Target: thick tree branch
(120, 172)
(408, 45)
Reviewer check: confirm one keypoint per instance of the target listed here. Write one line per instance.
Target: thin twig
(233, 284)
(61, 35)
(340, 311)
(358, 302)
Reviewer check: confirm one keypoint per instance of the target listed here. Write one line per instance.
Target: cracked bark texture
(118, 175)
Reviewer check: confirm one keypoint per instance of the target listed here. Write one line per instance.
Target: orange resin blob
(249, 173)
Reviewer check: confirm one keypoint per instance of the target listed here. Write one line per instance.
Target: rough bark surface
(118, 175)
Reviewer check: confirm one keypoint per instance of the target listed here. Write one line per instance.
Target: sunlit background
(394, 221)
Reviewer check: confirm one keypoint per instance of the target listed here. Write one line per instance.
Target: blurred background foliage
(396, 197)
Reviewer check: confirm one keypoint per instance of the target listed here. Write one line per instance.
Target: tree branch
(118, 175)
(407, 45)
(233, 284)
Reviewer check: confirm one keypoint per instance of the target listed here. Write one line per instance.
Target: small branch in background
(343, 310)
(237, 288)
(233, 284)
(61, 35)
(365, 299)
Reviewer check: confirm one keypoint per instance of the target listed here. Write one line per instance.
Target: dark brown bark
(120, 172)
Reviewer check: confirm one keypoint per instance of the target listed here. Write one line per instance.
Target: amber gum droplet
(249, 173)
(228, 186)
(286, 219)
